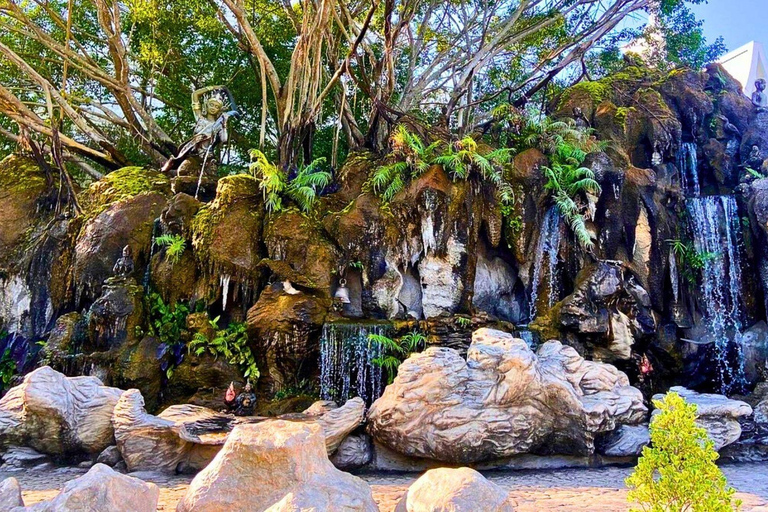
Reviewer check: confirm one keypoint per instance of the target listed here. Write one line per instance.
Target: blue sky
(738, 21)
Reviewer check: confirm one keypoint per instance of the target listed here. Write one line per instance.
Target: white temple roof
(746, 64)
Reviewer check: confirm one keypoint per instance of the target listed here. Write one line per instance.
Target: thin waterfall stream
(347, 367)
(545, 260)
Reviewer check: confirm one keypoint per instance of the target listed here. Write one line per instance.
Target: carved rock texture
(58, 415)
(502, 401)
(275, 466)
(717, 414)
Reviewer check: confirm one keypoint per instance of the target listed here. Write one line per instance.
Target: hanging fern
(276, 186)
(410, 157)
(174, 246)
(566, 182)
(394, 351)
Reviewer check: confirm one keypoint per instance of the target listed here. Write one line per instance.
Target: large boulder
(501, 401)
(717, 414)
(275, 466)
(454, 490)
(187, 437)
(103, 490)
(58, 415)
(101, 241)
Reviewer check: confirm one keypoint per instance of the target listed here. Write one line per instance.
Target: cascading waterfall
(547, 249)
(346, 362)
(688, 164)
(224, 282)
(717, 237)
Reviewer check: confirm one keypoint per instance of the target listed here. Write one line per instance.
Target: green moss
(21, 175)
(237, 186)
(597, 91)
(122, 184)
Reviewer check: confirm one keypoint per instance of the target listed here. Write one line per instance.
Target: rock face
(10, 494)
(188, 437)
(275, 466)
(454, 490)
(717, 414)
(162, 443)
(58, 415)
(625, 441)
(103, 490)
(502, 401)
(354, 452)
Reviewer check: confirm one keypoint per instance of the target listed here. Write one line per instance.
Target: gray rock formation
(455, 490)
(275, 466)
(625, 441)
(58, 415)
(10, 494)
(502, 401)
(717, 414)
(354, 452)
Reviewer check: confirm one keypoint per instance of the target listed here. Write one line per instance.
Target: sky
(738, 21)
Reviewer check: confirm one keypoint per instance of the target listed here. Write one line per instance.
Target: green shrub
(8, 369)
(231, 344)
(678, 471)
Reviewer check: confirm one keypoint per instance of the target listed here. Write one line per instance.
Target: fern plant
(550, 136)
(275, 185)
(394, 351)
(410, 158)
(567, 180)
(230, 343)
(690, 260)
(174, 246)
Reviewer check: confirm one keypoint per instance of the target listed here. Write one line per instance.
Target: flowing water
(688, 165)
(347, 369)
(717, 240)
(545, 260)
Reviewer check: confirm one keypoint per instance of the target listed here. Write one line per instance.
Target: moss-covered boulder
(120, 185)
(226, 232)
(128, 221)
(22, 186)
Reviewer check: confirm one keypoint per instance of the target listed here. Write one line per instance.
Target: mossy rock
(22, 186)
(136, 366)
(226, 232)
(120, 185)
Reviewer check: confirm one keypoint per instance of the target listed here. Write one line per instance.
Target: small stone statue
(759, 97)
(245, 401)
(580, 119)
(124, 265)
(755, 160)
(212, 107)
(230, 397)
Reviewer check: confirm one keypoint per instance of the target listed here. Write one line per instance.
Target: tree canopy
(109, 81)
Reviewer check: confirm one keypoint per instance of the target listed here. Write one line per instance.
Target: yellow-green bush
(678, 471)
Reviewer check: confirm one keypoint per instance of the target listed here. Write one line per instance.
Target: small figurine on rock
(245, 402)
(759, 98)
(124, 265)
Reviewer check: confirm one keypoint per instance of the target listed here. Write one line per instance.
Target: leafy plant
(395, 351)
(754, 173)
(463, 322)
(410, 158)
(690, 261)
(550, 136)
(231, 344)
(8, 370)
(174, 246)
(276, 186)
(168, 323)
(567, 180)
(678, 471)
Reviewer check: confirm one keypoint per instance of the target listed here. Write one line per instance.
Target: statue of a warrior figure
(580, 119)
(212, 107)
(759, 97)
